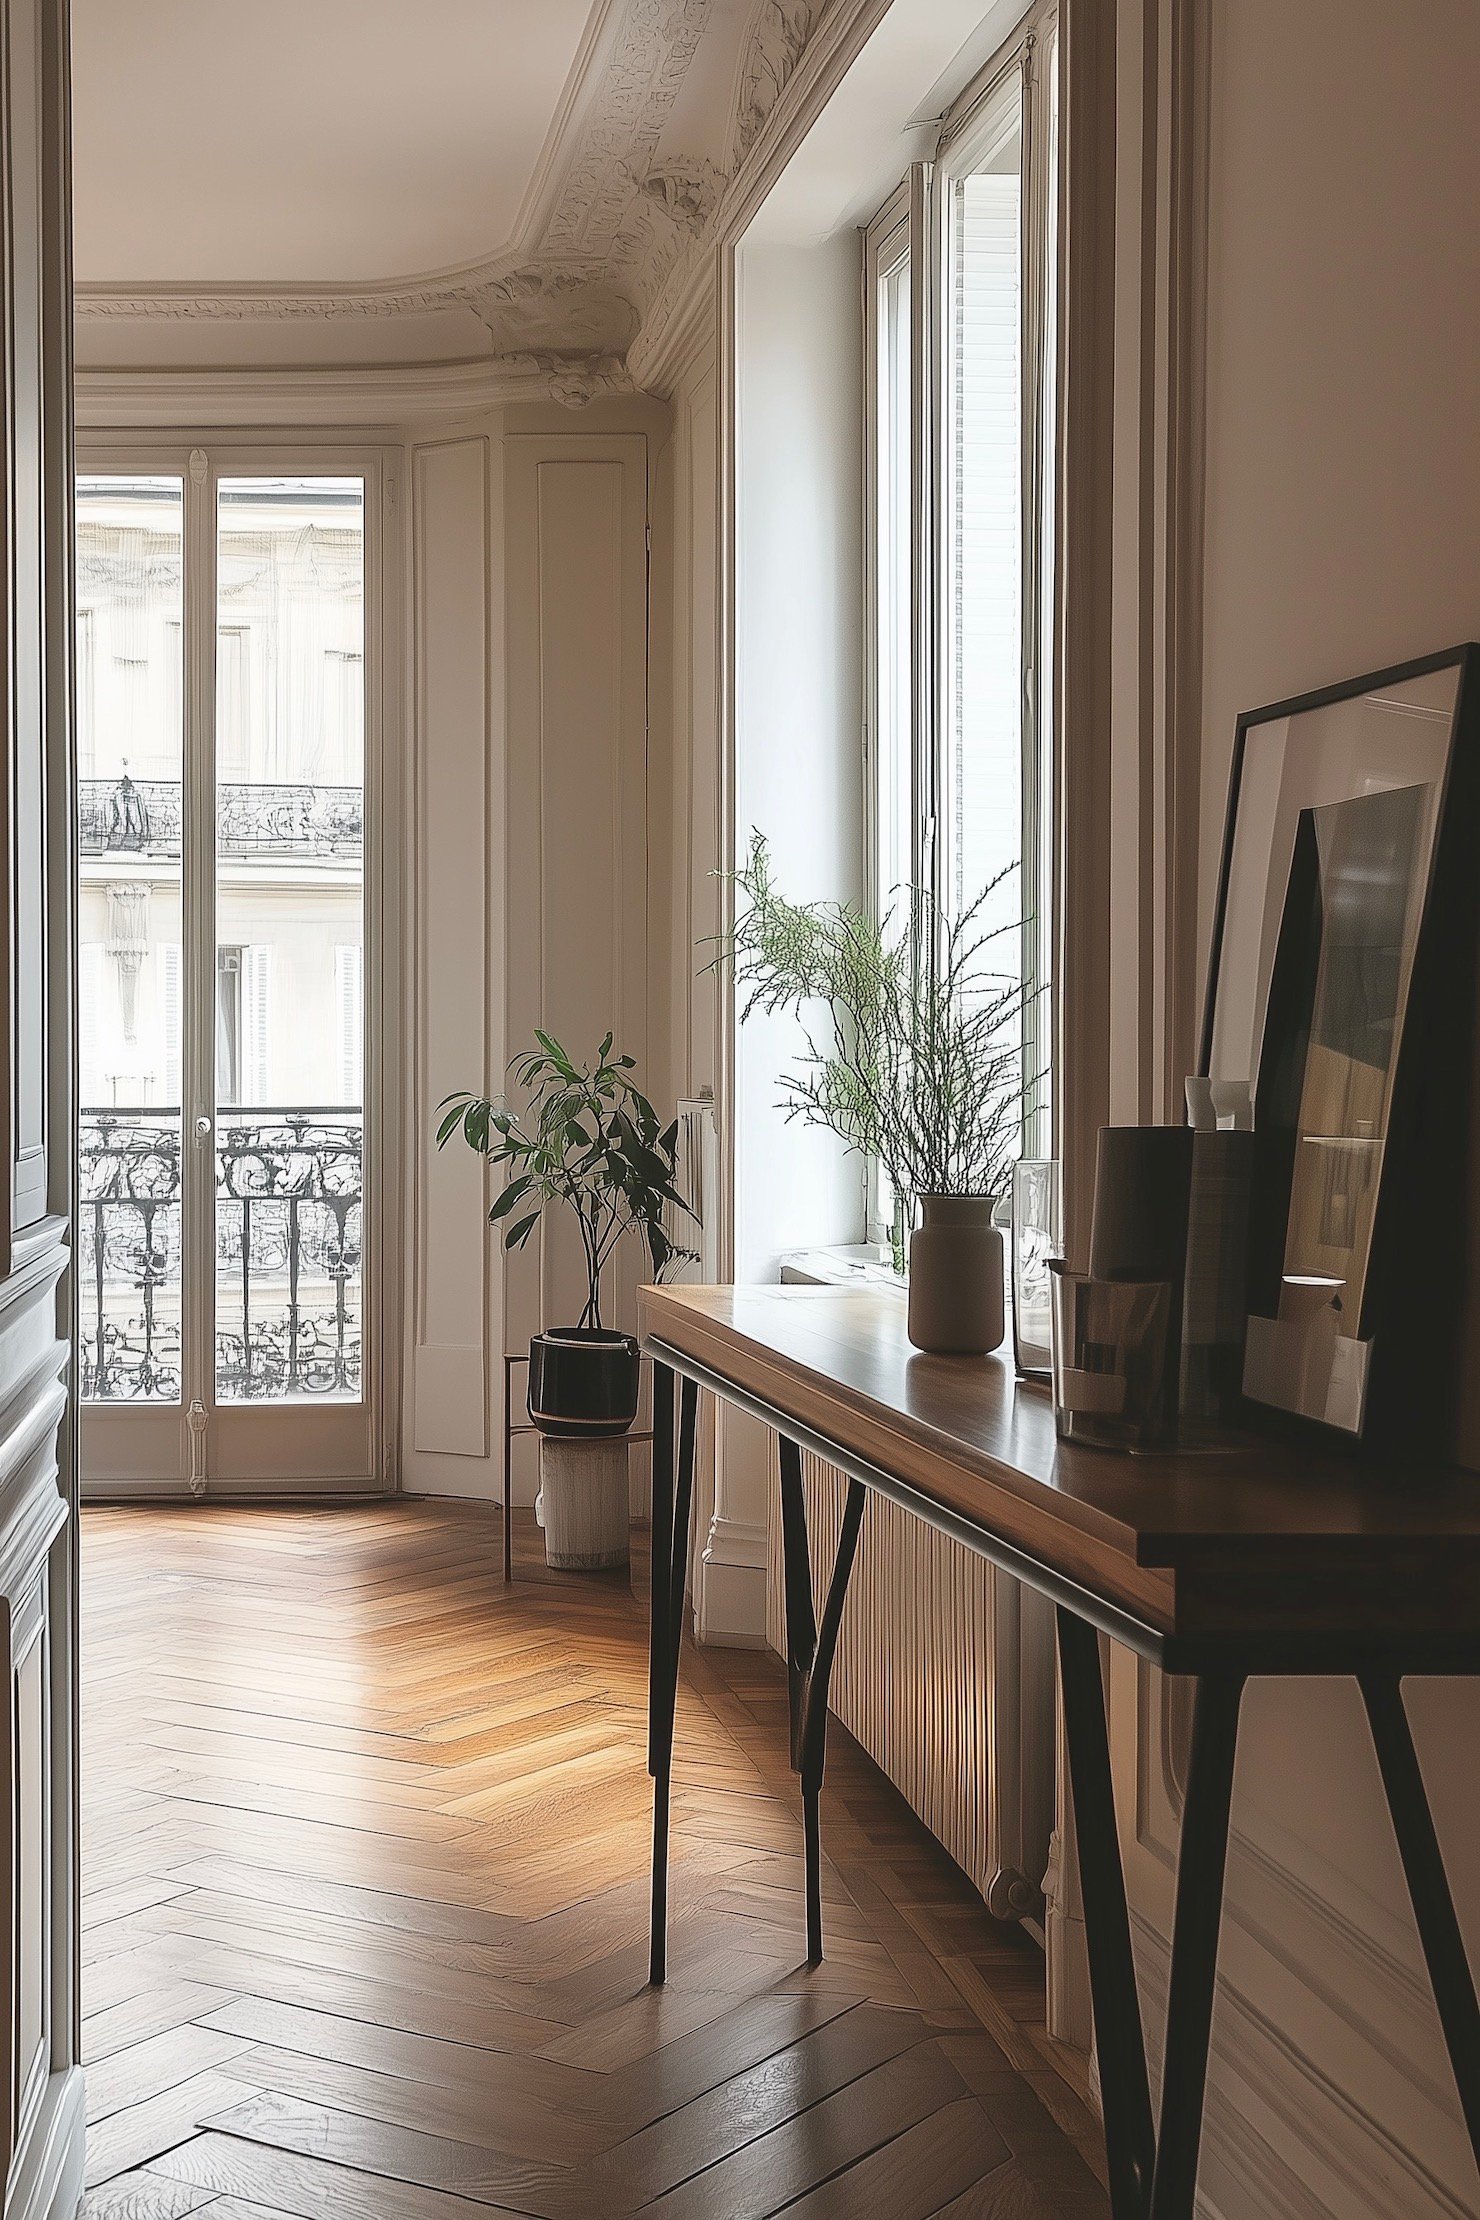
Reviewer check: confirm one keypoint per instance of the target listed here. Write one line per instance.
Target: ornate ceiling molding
(627, 201)
(166, 400)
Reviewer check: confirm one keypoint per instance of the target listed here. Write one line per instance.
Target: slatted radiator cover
(944, 1673)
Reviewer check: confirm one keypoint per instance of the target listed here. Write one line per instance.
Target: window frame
(913, 221)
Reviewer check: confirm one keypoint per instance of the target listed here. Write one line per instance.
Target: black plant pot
(583, 1381)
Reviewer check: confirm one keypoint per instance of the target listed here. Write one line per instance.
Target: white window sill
(845, 1264)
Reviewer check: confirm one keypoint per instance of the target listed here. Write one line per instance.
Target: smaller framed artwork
(1342, 1014)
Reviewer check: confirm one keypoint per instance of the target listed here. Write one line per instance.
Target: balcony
(127, 817)
(288, 1219)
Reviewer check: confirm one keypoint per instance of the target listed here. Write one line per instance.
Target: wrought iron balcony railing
(144, 817)
(289, 1208)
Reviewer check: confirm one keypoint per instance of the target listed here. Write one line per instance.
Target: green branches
(587, 1138)
(913, 1044)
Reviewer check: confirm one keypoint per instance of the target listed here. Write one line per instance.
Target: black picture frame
(1421, 1304)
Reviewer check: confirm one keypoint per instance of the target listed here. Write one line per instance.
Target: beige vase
(956, 1280)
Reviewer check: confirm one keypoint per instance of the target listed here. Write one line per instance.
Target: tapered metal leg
(1201, 1861)
(662, 1551)
(1428, 1888)
(672, 1505)
(810, 1650)
(814, 1719)
(801, 1624)
(1130, 2138)
(812, 1846)
(678, 1563)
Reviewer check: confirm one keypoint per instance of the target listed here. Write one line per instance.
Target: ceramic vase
(956, 1279)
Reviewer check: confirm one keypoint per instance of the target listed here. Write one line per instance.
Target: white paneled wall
(528, 620)
(449, 1305)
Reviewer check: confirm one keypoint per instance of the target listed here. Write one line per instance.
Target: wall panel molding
(575, 895)
(1286, 2140)
(453, 1316)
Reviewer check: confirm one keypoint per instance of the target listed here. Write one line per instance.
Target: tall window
(960, 317)
(895, 860)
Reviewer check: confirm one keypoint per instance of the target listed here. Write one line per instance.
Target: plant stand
(585, 1515)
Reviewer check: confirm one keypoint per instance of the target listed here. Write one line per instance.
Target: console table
(1277, 1559)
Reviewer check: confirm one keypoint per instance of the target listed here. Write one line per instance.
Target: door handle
(202, 1130)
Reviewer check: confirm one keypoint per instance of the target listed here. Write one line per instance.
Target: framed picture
(1341, 1024)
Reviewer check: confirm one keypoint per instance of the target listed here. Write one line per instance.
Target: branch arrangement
(914, 1052)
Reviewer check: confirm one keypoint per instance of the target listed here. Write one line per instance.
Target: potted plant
(588, 1139)
(917, 1063)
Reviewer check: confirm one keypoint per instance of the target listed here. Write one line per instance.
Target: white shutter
(89, 1025)
(170, 1004)
(349, 1007)
(256, 1024)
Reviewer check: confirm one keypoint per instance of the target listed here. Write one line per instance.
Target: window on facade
(349, 999)
(960, 316)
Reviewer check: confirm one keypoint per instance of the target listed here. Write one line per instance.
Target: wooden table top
(1302, 1558)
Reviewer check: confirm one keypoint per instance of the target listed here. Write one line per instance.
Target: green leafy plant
(914, 1053)
(586, 1137)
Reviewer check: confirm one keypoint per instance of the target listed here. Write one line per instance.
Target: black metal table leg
(801, 1624)
(810, 1651)
(1428, 1888)
(672, 1502)
(1130, 2138)
(1201, 1861)
(814, 1722)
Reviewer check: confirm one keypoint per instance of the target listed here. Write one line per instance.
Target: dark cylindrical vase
(583, 1381)
(956, 1279)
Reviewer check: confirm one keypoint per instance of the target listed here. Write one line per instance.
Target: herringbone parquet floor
(365, 1868)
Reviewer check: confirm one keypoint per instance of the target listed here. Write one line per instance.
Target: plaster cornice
(174, 399)
(618, 230)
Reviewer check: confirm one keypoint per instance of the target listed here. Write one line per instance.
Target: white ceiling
(292, 141)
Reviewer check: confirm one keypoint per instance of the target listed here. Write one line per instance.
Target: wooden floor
(365, 1856)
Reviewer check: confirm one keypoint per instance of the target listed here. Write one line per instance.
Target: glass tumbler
(1037, 1240)
(1112, 1384)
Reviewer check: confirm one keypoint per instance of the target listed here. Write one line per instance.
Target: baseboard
(730, 1603)
(47, 2184)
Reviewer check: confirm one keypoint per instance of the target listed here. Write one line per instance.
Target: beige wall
(1342, 533)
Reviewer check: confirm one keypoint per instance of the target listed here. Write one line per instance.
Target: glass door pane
(289, 963)
(130, 741)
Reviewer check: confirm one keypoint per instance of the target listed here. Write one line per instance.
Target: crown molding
(565, 279)
(446, 286)
(617, 242)
(797, 53)
(616, 227)
(166, 399)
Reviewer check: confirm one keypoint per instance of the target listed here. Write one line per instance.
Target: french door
(226, 756)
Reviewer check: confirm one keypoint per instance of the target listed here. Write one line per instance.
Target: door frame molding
(232, 453)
